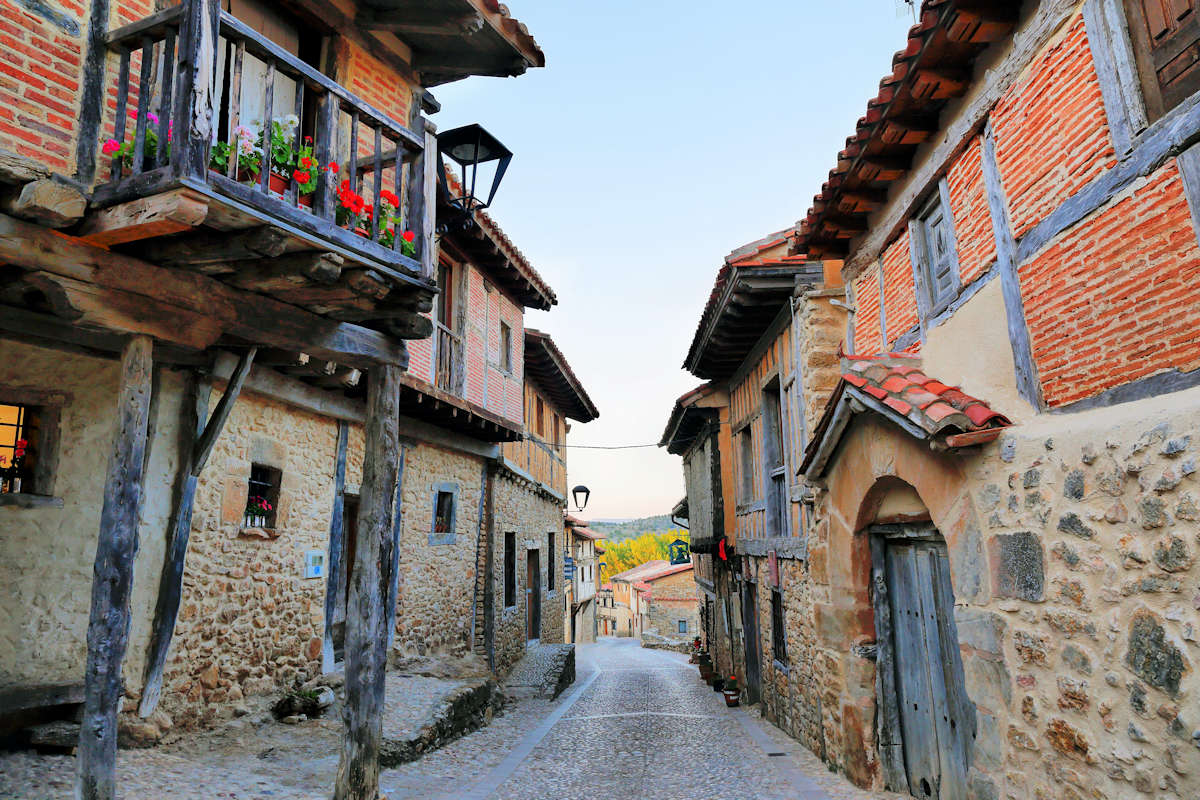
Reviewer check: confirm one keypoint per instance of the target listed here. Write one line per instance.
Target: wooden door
(753, 682)
(937, 721)
(533, 596)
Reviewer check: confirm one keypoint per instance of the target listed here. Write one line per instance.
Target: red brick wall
(899, 290)
(378, 84)
(40, 68)
(972, 218)
(1117, 298)
(867, 336)
(1051, 133)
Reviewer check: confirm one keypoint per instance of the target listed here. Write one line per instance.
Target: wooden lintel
(148, 217)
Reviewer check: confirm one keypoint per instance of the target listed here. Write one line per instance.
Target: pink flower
(110, 147)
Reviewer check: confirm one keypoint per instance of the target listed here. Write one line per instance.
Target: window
(510, 569)
(1166, 43)
(550, 566)
(557, 438)
(17, 456)
(778, 635)
(935, 257)
(778, 507)
(541, 418)
(445, 508)
(262, 498)
(683, 626)
(506, 347)
(747, 466)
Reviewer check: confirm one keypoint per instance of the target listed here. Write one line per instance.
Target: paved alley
(638, 724)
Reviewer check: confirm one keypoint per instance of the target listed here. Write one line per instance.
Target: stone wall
(435, 602)
(1072, 545)
(47, 554)
(521, 508)
(663, 617)
(249, 623)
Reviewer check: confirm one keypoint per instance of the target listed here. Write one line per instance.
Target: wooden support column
(392, 579)
(112, 582)
(337, 540)
(366, 641)
(420, 216)
(170, 585)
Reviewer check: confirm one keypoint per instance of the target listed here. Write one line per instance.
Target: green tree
(630, 553)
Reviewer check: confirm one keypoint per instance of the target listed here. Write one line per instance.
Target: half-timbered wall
(1068, 197)
(543, 454)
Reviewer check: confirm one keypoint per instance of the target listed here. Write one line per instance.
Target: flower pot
(280, 184)
(732, 697)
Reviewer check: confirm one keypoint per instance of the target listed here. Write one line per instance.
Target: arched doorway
(926, 721)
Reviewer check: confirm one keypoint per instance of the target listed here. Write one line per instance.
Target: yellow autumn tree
(630, 553)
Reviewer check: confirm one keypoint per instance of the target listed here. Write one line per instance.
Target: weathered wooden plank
(366, 651)
(148, 217)
(890, 735)
(194, 414)
(112, 584)
(961, 709)
(91, 94)
(420, 214)
(47, 202)
(1028, 382)
(951, 779)
(392, 578)
(288, 272)
(337, 540)
(41, 696)
(195, 105)
(914, 691)
(220, 249)
(253, 318)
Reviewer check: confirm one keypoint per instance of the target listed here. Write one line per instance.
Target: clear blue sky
(660, 136)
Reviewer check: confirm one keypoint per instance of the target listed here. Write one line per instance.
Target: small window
(506, 347)
(541, 418)
(444, 508)
(747, 465)
(262, 499)
(557, 436)
(935, 256)
(510, 570)
(778, 635)
(683, 626)
(1166, 43)
(17, 455)
(550, 566)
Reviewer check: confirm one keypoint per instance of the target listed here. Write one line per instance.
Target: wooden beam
(366, 639)
(148, 217)
(20, 169)
(170, 585)
(218, 309)
(47, 202)
(112, 583)
(288, 271)
(402, 22)
(337, 538)
(214, 251)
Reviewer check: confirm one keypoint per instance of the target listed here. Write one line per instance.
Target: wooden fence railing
(192, 75)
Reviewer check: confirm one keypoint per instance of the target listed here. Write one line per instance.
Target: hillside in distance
(618, 531)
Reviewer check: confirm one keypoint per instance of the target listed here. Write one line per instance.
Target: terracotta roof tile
(856, 380)
(939, 411)
(876, 392)
(897, 405)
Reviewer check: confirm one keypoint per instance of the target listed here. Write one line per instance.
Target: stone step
(545, 671)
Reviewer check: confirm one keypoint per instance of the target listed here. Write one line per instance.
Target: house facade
(581, 621)
(330, 428)
(986, 586)
(668, 603)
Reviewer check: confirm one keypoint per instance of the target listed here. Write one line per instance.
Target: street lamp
(469, 147)
(581, 490)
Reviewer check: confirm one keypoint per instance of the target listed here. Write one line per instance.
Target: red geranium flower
(332, 166)
(306, 161)
(408, 236)
(301, 177)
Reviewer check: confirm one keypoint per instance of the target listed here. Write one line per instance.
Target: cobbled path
(637, 724)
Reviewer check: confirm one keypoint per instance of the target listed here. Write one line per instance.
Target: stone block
(988, 683)
(1017, 566)
(841, 627)
(1072, 524)
(1151, 657)
(981, 630)
(1068, 740)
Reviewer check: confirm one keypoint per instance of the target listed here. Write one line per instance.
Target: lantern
(581, 490)
(470, 147)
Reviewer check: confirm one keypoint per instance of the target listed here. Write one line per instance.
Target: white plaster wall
(46, 554)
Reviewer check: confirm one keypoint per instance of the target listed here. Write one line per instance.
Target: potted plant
(257, 510)
(694, 656)
(732, 692)
(706, 668)
(12, 475)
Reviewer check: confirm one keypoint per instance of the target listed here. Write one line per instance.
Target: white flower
(291, 121)
(243, 133)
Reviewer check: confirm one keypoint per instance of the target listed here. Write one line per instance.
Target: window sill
(258, 533)
(23, 500)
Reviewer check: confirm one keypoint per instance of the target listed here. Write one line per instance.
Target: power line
(610, 446)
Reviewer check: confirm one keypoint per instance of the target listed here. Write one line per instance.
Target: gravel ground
(638, 724)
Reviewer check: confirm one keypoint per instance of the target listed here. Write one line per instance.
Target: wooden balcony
(174, 197)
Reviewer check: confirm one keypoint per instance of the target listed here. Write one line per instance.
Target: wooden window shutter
(1167, 33)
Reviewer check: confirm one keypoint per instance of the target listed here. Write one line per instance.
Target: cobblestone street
(637, 724)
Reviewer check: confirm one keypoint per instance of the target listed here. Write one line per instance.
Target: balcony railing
(451, 372)
(192, 72)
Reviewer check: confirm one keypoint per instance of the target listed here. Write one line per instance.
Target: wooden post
(195, 105)
(366, 641)
(337, 539)
(392, 579)
(112, 582)
(170, 585)
(421, 211)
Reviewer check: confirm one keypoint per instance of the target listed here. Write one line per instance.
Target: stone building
(583, 551)
(606, 611)
(986, 586)
(290, 485)
(669, 606)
